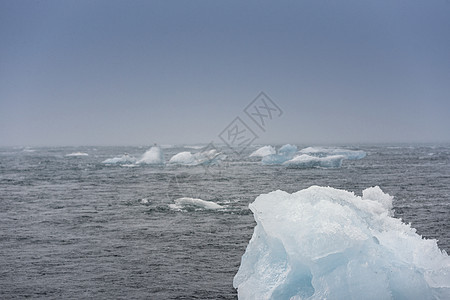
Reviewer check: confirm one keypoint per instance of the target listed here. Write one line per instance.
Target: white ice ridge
(324, 243)
(154, 156)
(321, 152)
(308, 161)
(207, 157)
(77, 154)
(263, 151)
(187, 201)
(124, 159)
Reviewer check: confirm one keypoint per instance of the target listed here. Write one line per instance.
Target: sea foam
(153, 156)
(324, 243)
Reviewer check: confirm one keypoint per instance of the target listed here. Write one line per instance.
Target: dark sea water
(73, 227)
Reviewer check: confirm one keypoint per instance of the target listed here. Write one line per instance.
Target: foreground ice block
(324, 243)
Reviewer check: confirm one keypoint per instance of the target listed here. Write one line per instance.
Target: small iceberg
(325, 243)
(321, 152)
(75, 154)
(185, 202)
(153, 156)
(124, 159)
(307, 161)
(263, 151)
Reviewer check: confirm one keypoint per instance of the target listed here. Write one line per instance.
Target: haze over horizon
(177, 72)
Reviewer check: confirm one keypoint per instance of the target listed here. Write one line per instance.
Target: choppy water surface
(73, 227)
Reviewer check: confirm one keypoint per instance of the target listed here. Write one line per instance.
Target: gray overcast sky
(138, 72)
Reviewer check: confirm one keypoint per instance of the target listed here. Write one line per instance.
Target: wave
(153, 156)
(74, 154)
(324, 243)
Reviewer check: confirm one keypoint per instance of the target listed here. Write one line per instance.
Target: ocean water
(74, 227)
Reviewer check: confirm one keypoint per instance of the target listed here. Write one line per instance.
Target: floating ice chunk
(288, 150)
(307, 161)
(144, 201)
(124, 159)
(263, 151)
(324, 243)
(74, 154)
(321, 152)
(284, 154)
(154, 156)
(184, 202)
(207, 157)
(274, 159)
(182, 158)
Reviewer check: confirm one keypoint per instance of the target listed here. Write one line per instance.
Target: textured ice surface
(207, 157)
(124, 159)
(184, 202)
(324, 243)
(263, 151)
(308, 161)
(321, 152)
(288, 150)
(154, 156)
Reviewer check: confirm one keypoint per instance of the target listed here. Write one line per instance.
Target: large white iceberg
(308, 161)
(124, 159)
(182, 158)
(324, 243)
(153, 156)
(263, 151)
(321, 152)
(207, 157)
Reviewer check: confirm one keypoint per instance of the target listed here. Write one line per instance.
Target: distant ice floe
(124, 159)
(182, 203)
(304, 161)
(28, 150)
(325, 243)
(321, 152)
(311, 157)
(207, 157)
(74, 154)
(263, 151)
(153, 156)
